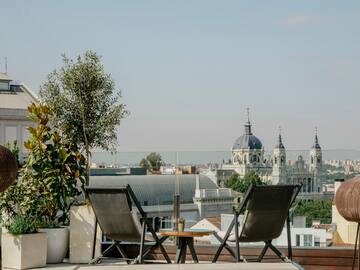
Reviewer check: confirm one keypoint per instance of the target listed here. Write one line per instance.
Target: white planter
(57, 243)
(23, 251)
(82, 230)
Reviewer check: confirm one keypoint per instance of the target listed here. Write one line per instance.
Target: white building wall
(316, 235)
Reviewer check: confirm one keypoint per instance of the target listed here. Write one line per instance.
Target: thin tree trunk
(87, 150)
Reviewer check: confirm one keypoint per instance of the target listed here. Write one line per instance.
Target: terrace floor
(189, 266)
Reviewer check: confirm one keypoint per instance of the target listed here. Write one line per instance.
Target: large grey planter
(23, 251)
(82, 229)
(57, 243)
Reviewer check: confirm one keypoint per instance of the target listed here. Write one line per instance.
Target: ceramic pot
(57, 243)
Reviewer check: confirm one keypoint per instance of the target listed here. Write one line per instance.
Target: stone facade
(247, 154)
(14, 100)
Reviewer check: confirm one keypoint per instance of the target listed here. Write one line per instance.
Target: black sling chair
(122, 219)
(266, 209)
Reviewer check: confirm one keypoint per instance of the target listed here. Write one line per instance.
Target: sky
(188, 70)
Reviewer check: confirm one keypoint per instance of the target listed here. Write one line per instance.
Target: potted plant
(88, 115)
(22, 247)
(55, 168)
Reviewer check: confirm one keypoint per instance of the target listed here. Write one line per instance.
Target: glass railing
(208, 197)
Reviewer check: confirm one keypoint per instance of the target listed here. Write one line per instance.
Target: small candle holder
(181, 224)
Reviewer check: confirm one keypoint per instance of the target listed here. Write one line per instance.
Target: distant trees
(242, 185)
(314, 210)
(152, 162)
(86, 107)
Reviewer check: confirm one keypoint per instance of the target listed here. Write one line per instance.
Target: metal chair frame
(145, 226)
(235, 223)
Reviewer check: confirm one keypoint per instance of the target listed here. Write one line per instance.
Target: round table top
(186, 233)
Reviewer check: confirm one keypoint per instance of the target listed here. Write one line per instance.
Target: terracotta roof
(216, 221)
(323, 226)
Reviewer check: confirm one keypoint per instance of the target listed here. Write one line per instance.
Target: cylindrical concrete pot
(58, 243)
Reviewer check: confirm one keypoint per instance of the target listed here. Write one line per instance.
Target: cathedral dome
(247, 140)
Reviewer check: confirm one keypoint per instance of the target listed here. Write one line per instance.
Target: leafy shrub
(54, 167)
(314, 210)
(242, 184)
(48, 182)
(22, 225)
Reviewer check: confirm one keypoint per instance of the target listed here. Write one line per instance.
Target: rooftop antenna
(5, 65)
(248, 113)
(280, 130)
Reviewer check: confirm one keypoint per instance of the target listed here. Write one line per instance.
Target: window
(307, 240)
(10, 134)
(4, 86)
(298, 240)
(317, 241)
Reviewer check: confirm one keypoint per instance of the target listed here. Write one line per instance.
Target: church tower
(279, 163)
(315, 156)
(316, 163)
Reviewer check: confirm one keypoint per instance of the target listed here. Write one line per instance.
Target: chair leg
(156, 245)
(94, 239)
(263, 252)
(143, 231)
(237, 244)
(122, 252)
(278, 253)
(162, 249)
(107, 251)
(226, 246)
(289, 237)
(223, 241)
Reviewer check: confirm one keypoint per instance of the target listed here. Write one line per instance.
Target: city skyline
(188, 71)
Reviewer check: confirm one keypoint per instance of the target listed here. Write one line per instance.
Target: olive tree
(86, 106)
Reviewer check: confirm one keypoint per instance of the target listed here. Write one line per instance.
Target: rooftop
(4, 77)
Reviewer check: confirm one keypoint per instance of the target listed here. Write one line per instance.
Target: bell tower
(316, 162)
(315, 155)
(279, 162)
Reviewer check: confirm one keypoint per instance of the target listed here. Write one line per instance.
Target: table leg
(183, 257)
(180, 250)
(190, 243)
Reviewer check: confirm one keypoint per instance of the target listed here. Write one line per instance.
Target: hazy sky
(188, 69)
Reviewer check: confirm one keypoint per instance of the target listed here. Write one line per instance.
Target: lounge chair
(266, 209)
(122, 219)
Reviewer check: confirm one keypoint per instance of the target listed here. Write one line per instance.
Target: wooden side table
(186, 239)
